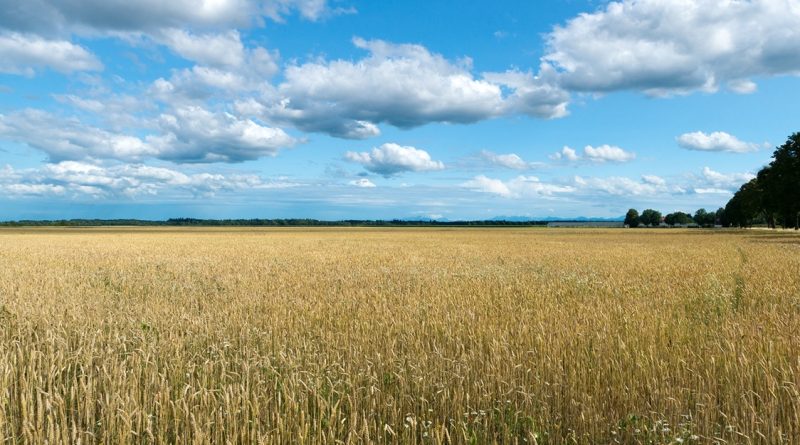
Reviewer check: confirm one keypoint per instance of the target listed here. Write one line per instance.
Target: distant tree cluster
(653, 218)
(773, 196)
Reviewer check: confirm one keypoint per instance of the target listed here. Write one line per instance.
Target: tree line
(653, 218)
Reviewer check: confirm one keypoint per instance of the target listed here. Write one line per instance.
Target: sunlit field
(291, 336)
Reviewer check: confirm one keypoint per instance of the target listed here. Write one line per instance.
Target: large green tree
(745, 208)
(780, 183)
(632, 218)
(650, 217)
(678, 218)
(705, 218)
(773, 196)
(721, 219)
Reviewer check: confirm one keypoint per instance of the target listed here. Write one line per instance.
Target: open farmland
(399, 336)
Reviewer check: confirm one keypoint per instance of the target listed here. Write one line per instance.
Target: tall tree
(650, 217)
(678, 218)
(632, 218)
(745, 206)
(721, 219)
(780, 182)
(701, 217)
(705, 218)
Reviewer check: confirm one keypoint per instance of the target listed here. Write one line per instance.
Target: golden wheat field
(354, 336)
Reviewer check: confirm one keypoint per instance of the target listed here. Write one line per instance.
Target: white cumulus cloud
(188, 134)
(599, 154)
(143, 16)
(608, 153)
(25, 53)
(728, 181)
(716, 141)
(222, 49)
(482, 183)
(519, 187)
(566, 153)
(68, 138)
(677, 46)
(405, 86)
(194, 134)
(36, 34)
(622, 186)
(391, 159)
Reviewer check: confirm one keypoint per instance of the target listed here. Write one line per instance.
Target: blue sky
(392, 109)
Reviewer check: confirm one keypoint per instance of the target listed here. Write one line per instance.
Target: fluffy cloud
(190, 134)
(678, 46)
(23, 54)
(533, 95)
(225, 67)
(194, 134)
(362, 183)
(123, 16)
(223, 49)
(654, 180)
(482, 183)
(124, 180)
(566, 153)
(510, 160)
(391, 159)
(519, 187)
(64, 139)
(405, 86)
(742, 86)
(716, 141)
(14, 190)
(730, 182)
(37, 34)
(622, 186)
(600, 154)
(608, 153)
(196, 84)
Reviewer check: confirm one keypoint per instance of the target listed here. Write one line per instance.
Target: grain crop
(363, 335)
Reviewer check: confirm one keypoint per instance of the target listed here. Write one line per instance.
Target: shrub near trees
(773, 196)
